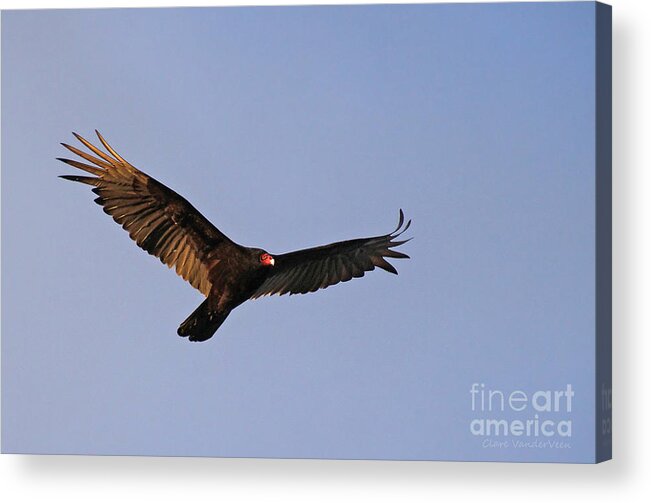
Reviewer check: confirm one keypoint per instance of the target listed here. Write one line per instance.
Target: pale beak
(272, 261)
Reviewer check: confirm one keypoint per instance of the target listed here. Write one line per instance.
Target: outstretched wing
(160, 221)
(314, 268)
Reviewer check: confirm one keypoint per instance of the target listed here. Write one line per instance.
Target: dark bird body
(167, 226)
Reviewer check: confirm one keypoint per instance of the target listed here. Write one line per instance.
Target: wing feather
(315, 268)
(159, 220)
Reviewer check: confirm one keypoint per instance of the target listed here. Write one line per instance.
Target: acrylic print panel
(289, 128)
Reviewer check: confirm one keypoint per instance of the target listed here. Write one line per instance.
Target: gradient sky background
(287, 128)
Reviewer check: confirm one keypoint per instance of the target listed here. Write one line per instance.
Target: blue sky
(287, 128)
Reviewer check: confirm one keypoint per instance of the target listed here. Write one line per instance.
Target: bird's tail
(203, 322)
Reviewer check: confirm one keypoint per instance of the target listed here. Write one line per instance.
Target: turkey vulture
(165, 225)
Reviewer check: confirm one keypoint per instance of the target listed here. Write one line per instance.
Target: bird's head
(266, 259)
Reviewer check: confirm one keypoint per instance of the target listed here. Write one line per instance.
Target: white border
(110, 479)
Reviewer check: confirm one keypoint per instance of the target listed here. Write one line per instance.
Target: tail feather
(203, 322)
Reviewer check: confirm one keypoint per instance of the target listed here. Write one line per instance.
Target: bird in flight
(165, 225)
